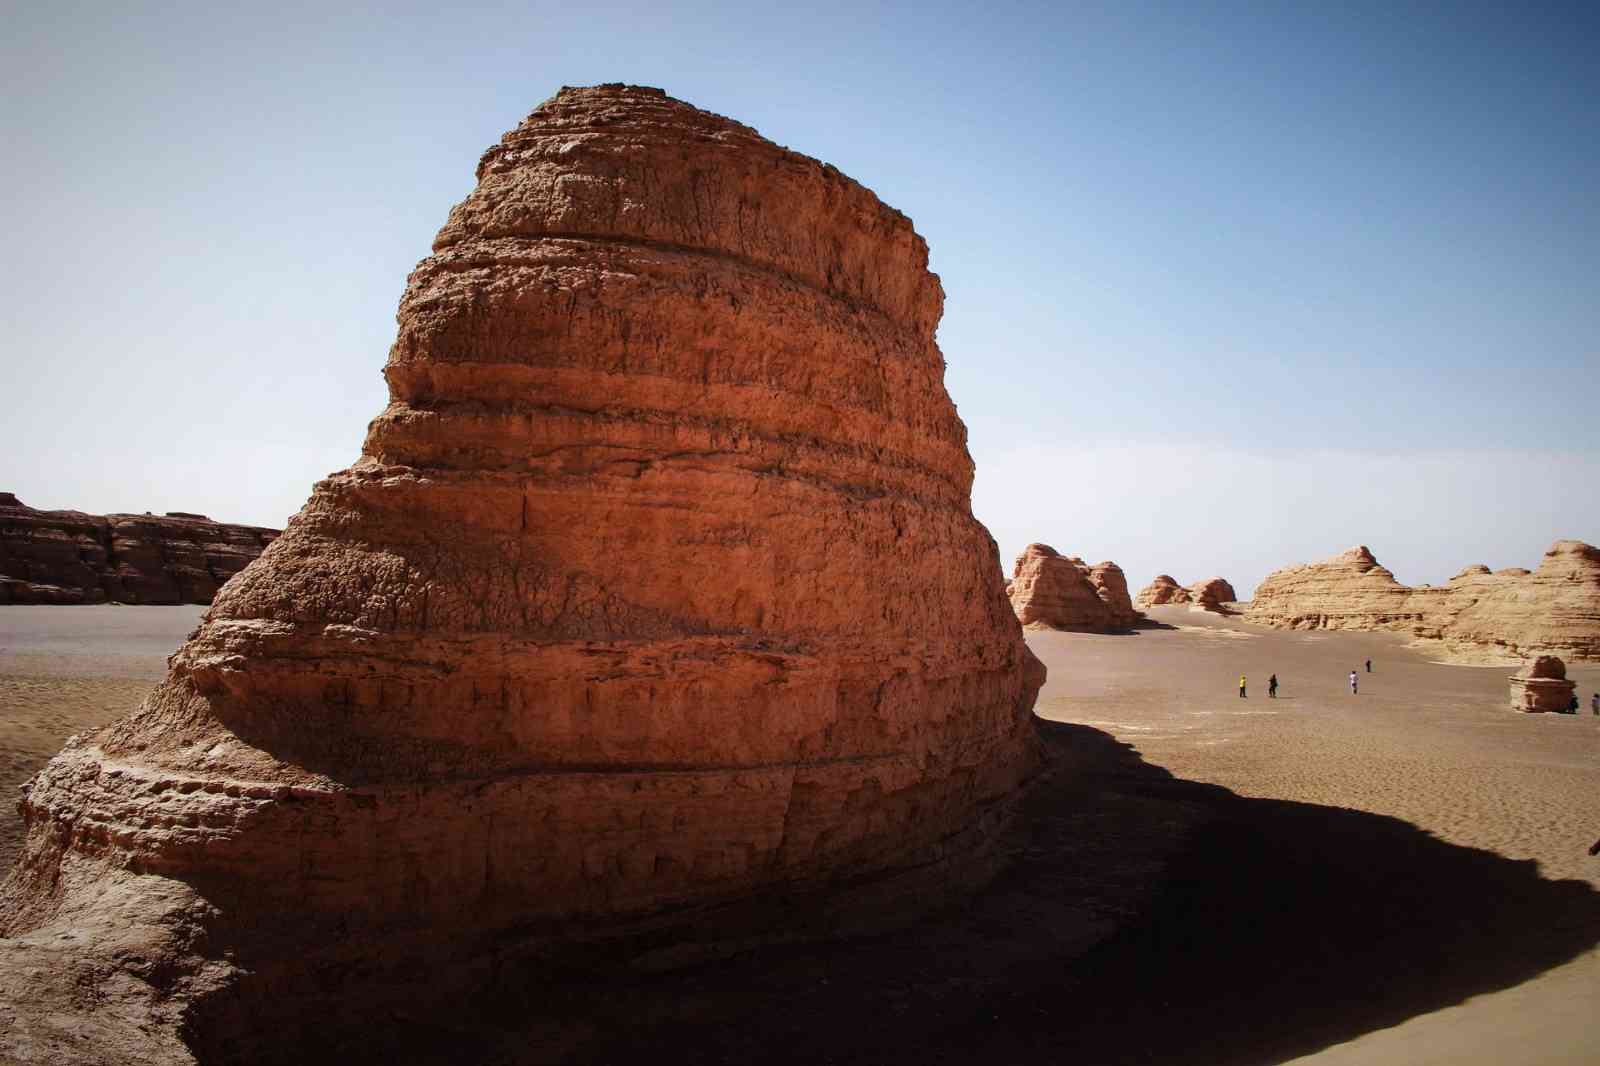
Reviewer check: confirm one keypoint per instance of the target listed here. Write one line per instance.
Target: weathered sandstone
(1501, 615)
(654, 612)
(1542, 685)
(1212, 593)
(72, 557)
(1057, 591)
(1163, 590)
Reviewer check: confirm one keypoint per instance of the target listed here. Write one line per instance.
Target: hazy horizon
(1225, 291)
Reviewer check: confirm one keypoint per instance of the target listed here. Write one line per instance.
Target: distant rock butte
(1209, 595)
(68, 557)
(654, 612)
(1054, 591)
(1542, 685)
(1212, 593)
(1162, 591)
(1478, 615)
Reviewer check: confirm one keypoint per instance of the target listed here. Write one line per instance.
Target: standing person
(1594, 703)
(1241, 687)
(1352, 682)
(1369, 666)
(1272, 687)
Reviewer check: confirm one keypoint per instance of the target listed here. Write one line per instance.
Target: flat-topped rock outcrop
(68, 557)
(1479, 614)
(595, 641)
(1056, 591)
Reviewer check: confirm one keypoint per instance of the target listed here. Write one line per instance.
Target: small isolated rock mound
(1054, 591)
(1212, 593)
(1502, 614)
(68, 557)
(1163, 590)
(596, 641)
(1542, 685)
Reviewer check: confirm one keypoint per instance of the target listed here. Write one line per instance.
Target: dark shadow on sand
(1147, 920)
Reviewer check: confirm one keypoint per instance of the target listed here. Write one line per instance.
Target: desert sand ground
(1393, 877)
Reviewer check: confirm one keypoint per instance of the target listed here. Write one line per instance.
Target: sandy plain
(1398, 876)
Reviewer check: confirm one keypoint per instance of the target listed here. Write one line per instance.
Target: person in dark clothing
(1369, 666)
(1272, 686)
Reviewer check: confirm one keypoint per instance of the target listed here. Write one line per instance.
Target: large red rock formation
(1162, 591)
(1479, 614)
(1056, 591)
(594, 640)
(72, 557)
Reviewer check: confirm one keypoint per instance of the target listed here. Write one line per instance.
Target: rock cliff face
(1056, 591)
(594, 642)
(72, 557)
(1163, 590)
(1500, 615)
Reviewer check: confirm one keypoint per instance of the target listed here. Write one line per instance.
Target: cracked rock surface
(653, 614)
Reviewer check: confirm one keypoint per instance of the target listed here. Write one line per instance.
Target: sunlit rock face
(655, 590)
(1479, 614)
(1055, 591)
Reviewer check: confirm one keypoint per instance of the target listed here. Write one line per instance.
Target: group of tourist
(1272, 686)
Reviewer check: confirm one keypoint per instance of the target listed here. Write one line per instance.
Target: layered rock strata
(593, 641)
(69, 557)
(1162, 591)
(1479, 614)
(1055, 591)
(1542, 685)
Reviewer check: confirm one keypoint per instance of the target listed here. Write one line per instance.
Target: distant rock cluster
(1054, 591)
(68, 557)
(1506, 614)
(1210, 594)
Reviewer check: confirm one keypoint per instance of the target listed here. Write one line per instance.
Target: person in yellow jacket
(1241, 687)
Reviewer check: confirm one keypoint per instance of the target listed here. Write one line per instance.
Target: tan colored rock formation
(68, 557)
(1212, 594)
(1478, 615)
(1162, 591)
(1542, 685)
(1056, 591)
(594, 641)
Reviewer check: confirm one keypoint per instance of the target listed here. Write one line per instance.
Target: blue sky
(1228, 285)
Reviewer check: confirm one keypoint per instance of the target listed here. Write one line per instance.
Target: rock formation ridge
(1500, 615)
(72, 557)
(1055, 591)
(597, 640)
